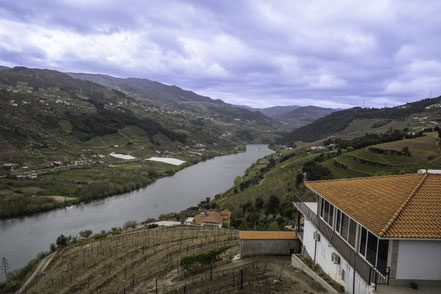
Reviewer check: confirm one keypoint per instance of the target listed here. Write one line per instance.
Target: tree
(247, 207)
(406, 151)
(53, 247)
(273, 204)
(259, 203)
(237, 181)
(86, 233)
(61, 240)
(299, 179)
(5, 266)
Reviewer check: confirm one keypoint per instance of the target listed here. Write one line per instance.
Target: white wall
(419, 260)
(324, 259)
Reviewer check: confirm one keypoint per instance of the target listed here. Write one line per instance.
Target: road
(41, 267)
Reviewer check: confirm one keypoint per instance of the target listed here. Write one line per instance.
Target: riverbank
(75, 185)
(23, 238)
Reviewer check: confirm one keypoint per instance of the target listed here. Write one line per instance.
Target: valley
(72, 139)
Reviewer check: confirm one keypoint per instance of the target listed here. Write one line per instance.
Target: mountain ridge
(339, 120)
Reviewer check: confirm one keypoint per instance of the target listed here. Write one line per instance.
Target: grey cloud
(263, 53)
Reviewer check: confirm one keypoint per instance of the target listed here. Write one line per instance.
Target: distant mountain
(3, 67)
(248, 107)
(146, 88)
(54, 115)
(174, 97)
(307, 113)
(339, 120)
(278, 111)
(36, 101)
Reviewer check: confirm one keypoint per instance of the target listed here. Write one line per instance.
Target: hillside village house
(376, 235)
(211, 217)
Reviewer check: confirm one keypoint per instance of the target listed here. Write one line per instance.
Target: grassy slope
(420, 148)
(367, 163)
(415, 114)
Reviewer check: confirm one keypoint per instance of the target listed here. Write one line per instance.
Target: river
(21, 239)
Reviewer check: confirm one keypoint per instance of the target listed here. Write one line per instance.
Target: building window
(383, 249)
(371, 250)
(337, 222)
(344, 226)
(352, 232)
(326, 214)
(322, 206)
(331, 214)
(363, 238)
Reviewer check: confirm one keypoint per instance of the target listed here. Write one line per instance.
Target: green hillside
(346, 121)
(278, 175)
(175, 97)
(57, 134)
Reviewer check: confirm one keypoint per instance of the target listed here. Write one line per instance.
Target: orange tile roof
(226, 214)
(401, 206)
(211, 216)
(267, 235)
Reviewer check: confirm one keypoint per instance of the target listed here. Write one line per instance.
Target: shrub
(196, 262)
(130, 224)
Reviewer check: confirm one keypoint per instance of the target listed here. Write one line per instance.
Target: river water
(21, 239)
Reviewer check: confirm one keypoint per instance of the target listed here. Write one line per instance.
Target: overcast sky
(257, 53)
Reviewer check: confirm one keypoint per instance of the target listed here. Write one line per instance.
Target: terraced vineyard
(425, 153)
(129, 262)
(147, 261)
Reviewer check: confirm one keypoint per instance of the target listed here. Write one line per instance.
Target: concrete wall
(323, 255)
(268, 247)
(419, 260)
(297, 263)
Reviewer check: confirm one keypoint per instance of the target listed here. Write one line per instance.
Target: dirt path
(41, 267)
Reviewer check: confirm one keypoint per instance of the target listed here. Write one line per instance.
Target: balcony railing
(348, 253)
(379, 276)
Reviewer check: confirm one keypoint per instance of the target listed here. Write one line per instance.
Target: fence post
(241, 279)
(156, 286)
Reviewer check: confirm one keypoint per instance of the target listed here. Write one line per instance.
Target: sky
(257, 53)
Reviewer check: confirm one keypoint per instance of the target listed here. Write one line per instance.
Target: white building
(387, 228)
(188, 221)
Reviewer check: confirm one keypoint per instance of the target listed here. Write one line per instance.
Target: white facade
(342, 272)
(419, 260)
(189, 221)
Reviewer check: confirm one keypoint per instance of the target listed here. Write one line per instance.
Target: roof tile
(267, 235)
(402, 206)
